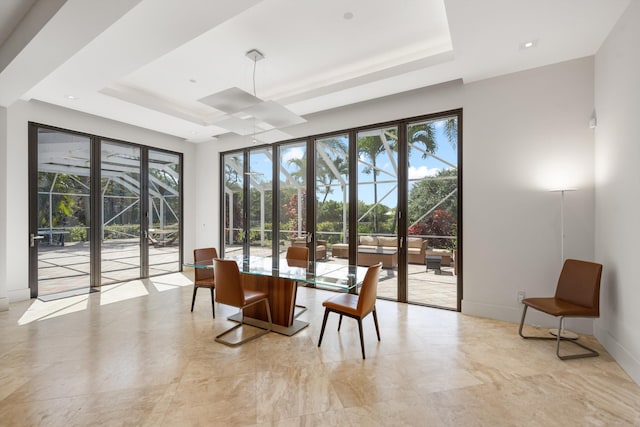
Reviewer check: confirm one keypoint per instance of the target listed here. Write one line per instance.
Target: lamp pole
(564, 333)
(562, 227)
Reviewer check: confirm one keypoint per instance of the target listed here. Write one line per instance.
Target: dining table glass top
(333, 275)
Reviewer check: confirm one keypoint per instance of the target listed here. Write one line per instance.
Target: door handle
(33, 238)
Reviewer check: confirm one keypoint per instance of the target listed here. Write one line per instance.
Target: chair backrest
(369, 290)
(229, 289)
(204, 254)
(298, 256)
(579, 283)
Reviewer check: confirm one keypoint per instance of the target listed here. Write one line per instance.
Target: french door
(384, 193)
(101, 211)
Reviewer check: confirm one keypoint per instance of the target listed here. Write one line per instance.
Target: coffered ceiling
(155, 63)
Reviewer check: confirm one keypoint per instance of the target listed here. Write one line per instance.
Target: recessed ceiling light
(348, 15)
(528, 44)
(71, 97)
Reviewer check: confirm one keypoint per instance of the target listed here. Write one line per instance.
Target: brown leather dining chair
(356, 306)
(204, 276)
(298, 256)
(230, 291)
(577, 295)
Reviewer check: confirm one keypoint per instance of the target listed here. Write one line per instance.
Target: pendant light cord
(255, 60)
(253, 138)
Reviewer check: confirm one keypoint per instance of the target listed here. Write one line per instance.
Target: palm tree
(336, 150)
(372, 147)
(425, 134)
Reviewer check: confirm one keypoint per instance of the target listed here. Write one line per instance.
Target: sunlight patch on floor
(40, 310)
(122, 291)
(170, 281)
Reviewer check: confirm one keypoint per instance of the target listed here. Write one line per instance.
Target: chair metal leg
(361, 337)
(591, 352)
(339, 323)
(324, 323)
(213, 304)
(193, 300)
(239, 325)
(375, 320)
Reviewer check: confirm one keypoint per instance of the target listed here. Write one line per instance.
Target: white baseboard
(4, 304)
(491, 311)
(620, 353)
(19, 294)
(534, 317)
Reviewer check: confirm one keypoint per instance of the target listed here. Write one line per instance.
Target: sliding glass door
(260, 178)
(377, 204)
(60, 212)
(292, 166)
(432, 226)
(164, 207)
(120, 192)
(90, 199)
(332, 198)
(233, 203)
(388, 193)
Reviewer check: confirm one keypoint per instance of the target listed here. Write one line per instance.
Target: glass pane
(293, 195)
(261, 202)
(377, 202)
(433, 208)
(120, 190)
(64, 166)
(233, 204)
(164, 212)
(332, 196)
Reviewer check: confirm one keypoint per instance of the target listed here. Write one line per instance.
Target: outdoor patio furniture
(340, 250)
(161, 238)
(416, 247)
(433, 262)
(443, 254)
(388, 257)
(321, 246)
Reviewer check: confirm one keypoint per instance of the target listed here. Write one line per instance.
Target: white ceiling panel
(167, 65)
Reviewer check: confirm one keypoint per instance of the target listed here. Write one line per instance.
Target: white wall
(18, 116)
(524, 134)
(617, 99)
(4, 301)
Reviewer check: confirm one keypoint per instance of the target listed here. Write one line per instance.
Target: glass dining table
(280, 279)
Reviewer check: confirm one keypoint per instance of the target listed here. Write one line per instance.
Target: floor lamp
(554, 331)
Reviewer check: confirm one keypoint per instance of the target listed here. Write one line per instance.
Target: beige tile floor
(133, 354)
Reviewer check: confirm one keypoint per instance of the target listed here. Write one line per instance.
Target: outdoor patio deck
(66, 268)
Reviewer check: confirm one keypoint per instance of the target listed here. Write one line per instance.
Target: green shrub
(78, 234)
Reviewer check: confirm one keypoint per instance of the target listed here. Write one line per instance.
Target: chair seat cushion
(346, 303)
(253, 296)
(205, 283)
(558, 307)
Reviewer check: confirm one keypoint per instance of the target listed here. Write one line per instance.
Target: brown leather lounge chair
(577, 295)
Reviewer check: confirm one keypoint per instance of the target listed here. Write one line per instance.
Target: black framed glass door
(60, 211)
(385, 193)
(101, 211)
